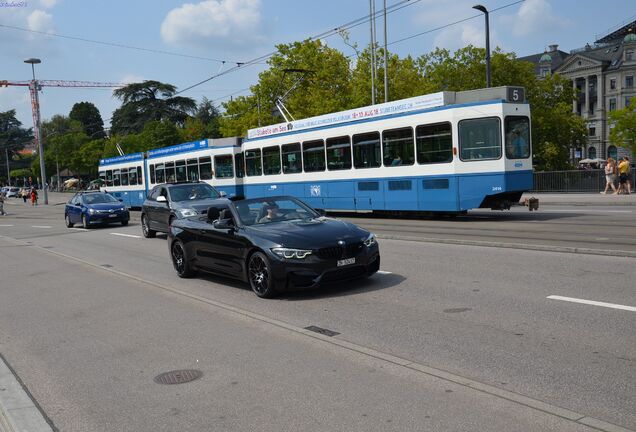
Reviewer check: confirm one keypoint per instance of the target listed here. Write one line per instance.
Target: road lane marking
(125, 235)
(586, 211)
(383, 272)
(79, 229)
(41, 226)
(592, 302)
(6, 225)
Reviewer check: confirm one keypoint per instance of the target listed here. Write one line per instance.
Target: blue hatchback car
(90, 208)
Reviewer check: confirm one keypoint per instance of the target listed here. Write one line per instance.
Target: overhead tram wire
(352, 24)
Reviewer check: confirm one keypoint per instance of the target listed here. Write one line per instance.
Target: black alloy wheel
(260, 276)
(180, 260)
(145, 228)
(67, 220)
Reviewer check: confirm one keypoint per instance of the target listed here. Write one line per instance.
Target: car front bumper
(104, 218)
(293, 275)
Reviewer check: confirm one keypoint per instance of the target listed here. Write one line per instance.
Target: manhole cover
(457, 310)
(322, 331)
(178, 376)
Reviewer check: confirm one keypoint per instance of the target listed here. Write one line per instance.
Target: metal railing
(591, 181)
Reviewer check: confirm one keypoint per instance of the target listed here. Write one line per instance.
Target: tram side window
(434, 143)
(397, 147)
(116, 177)
(271, 160)
(182, 174)
(102, 177)
(132, 176)
(170, 177)
(338, 153)
(239, 163)
(160, 173)
(480, 139)
(314, 155)
(124, 176)
(109, 177)
(152, 174)
(517, 137)
(193, 170)
(253, 165)
(292, 162)
(223, 166)
(205, 167)
(140, 178)
(366, 150)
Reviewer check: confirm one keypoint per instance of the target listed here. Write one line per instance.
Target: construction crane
(35, 86)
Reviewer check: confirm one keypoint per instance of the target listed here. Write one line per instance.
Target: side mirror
(120, 200)
(222, 194)
(78, 204)
(161, 199)
(224, 224)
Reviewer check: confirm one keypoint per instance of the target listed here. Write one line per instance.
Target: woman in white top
(610, 175)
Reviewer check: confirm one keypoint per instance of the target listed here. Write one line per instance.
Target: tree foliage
(12, 135)
(623, 127)
(146, 102)
(88, 115)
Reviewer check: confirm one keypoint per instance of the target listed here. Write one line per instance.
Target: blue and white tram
(218, 162)
(445, 152)
(123, 176)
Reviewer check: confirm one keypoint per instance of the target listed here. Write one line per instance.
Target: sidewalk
(582, 199)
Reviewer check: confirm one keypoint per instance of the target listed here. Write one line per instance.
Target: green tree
(313, 78)
(555, 128)
(13, 136)
(149, 101)
(89, 155)
(623, 132)
(88, 115)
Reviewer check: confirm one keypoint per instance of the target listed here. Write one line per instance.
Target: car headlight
(122, 209)
(289, 253)
(187, 212)
(370, 241)
(91, 211)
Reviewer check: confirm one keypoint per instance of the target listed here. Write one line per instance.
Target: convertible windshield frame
(253, 212)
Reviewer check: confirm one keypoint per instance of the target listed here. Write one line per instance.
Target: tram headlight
(371, 240)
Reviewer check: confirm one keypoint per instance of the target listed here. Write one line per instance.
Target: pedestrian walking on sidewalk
(623, 173)
(34, 197)
(2, 204)
(24, 193)
(610, 175)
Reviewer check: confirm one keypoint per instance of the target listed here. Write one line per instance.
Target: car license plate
(347, 261)
(112, 215)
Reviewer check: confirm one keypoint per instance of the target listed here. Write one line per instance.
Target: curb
(18, 412)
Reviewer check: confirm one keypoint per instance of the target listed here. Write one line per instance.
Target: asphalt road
(453, 336)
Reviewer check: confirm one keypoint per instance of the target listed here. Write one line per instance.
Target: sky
(212, 36)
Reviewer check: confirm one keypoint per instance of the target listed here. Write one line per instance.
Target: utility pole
(372, 24)
(35, 103)
(386, 61)
(483, 9)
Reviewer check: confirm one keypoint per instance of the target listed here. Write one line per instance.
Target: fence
(574, 181)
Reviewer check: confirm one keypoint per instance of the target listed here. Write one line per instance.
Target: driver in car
(272, 213)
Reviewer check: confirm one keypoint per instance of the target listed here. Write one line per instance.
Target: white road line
(383, 272)
(79, 229)
(125, 235)
(41, 226)
(592, 302)
(587, 211)
(6, 225)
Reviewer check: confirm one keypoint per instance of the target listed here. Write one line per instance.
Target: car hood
(106, 206)
(309, 234)
(201, 206)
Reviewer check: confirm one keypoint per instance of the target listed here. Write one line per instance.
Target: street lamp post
(485, 11)
(35, 106)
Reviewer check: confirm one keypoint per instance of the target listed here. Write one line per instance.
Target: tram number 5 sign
(516, 94)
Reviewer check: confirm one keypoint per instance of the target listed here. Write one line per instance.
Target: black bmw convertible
(273, 243)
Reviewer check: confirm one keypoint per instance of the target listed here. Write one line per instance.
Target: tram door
(369, 196)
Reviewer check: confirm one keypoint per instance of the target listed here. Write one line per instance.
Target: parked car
(273, 243)
(12, 192)
(90, 208)
(170, 201)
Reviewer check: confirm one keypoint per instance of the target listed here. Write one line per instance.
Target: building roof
(557, 58)
(619, 33)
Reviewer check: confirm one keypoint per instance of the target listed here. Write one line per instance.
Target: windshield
(99, 199)
(265, 210)
(193, 192)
